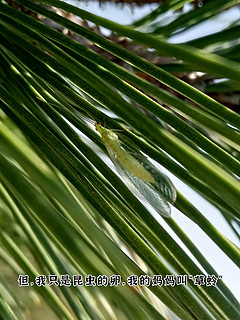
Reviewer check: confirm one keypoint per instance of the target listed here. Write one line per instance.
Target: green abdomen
(132, 164)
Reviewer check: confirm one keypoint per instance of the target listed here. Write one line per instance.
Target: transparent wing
(142, 189)
(162, 184)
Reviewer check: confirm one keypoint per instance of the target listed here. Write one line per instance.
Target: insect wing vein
(140, 188)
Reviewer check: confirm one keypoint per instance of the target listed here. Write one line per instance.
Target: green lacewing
(139, 174)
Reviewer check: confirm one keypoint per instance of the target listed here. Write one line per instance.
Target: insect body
(140, 175)
(127, 160)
